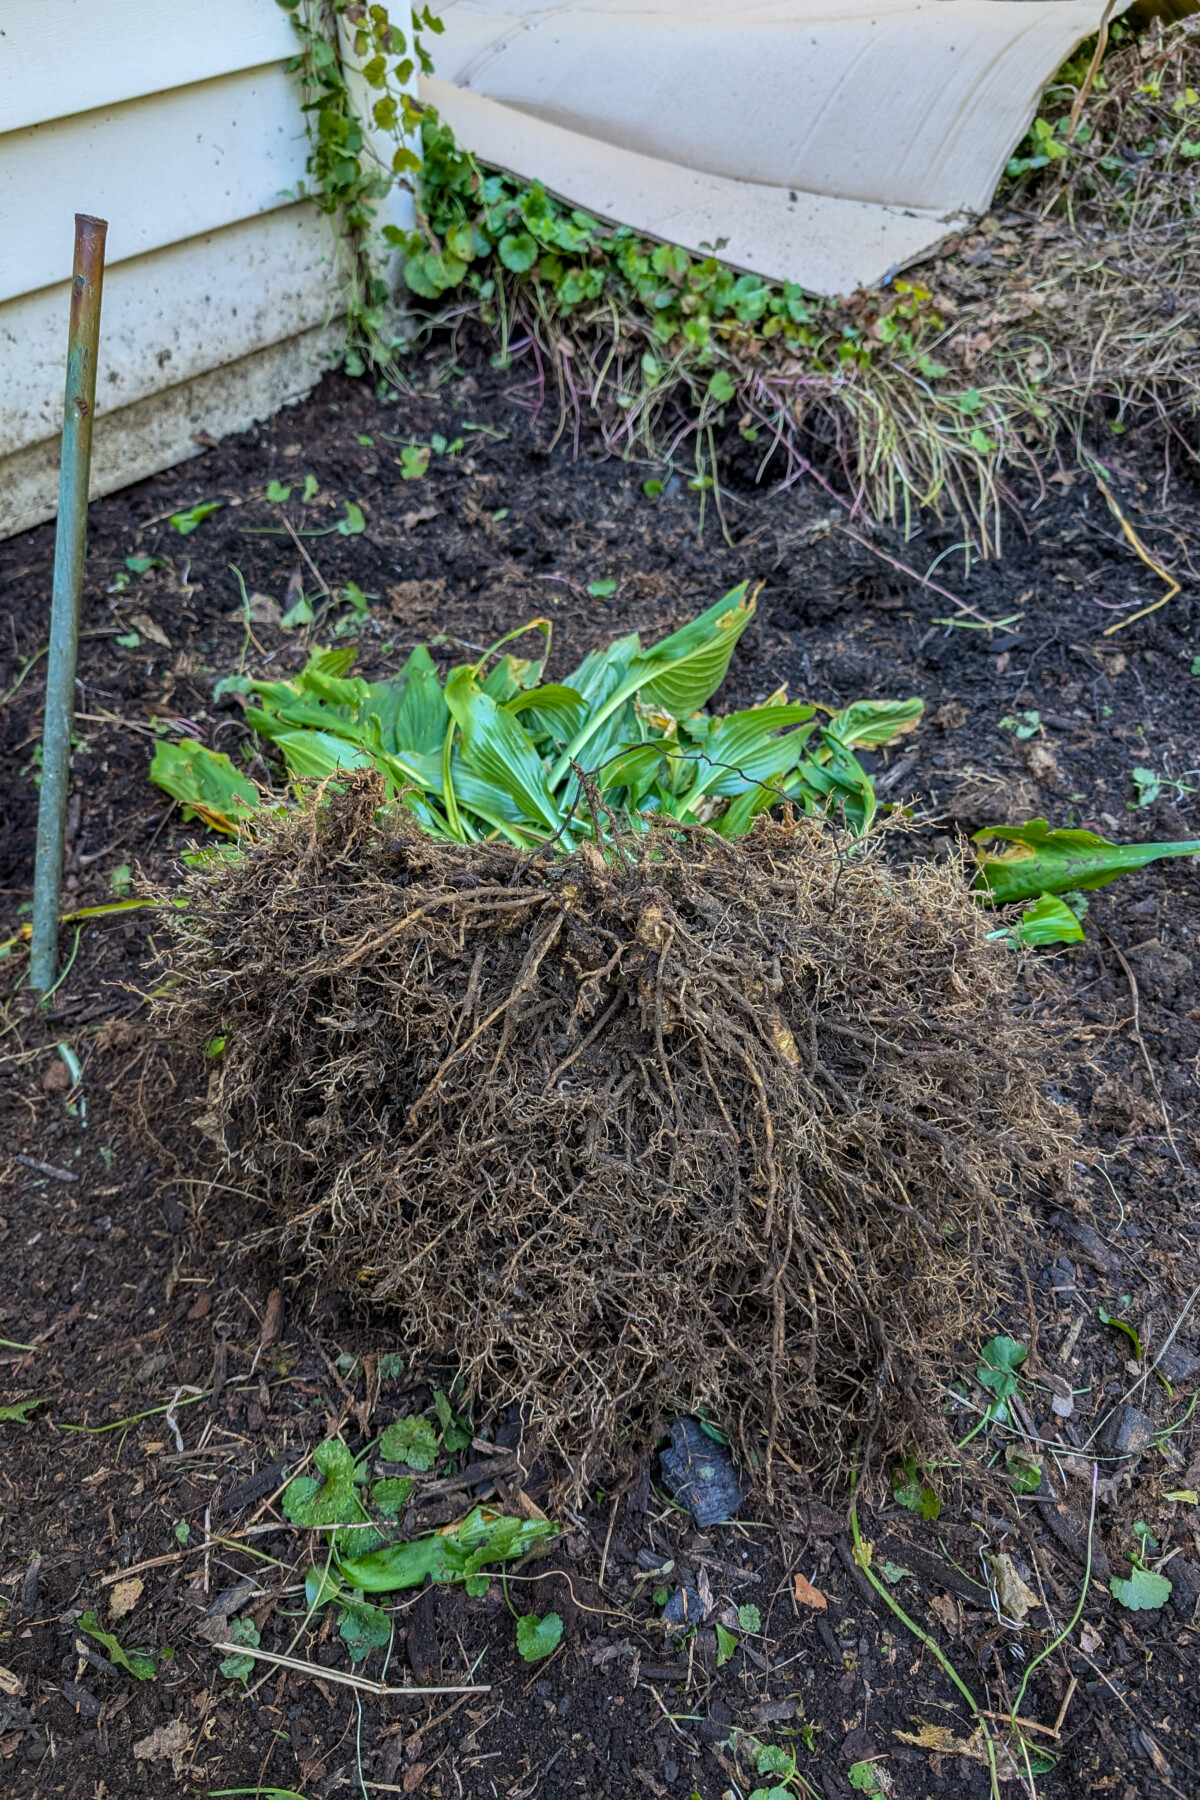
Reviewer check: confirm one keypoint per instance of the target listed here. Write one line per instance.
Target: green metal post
(70, 550)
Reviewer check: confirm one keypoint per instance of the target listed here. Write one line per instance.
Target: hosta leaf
(206, 783)
(686, 669)
(1038, 860)
(742, 750)
(676, 676)
(412, 1441)
(447, 1555)
(422, 716)
(495, 746)
(870, 724)
(1049, 921)
(316, 754)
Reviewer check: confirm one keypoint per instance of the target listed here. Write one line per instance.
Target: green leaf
(312, 1505)
(602, 590)
(496, 747)
(1144, 1591)
(456, 1433)
(414, 461)
(363, 1628)
(910, 1492)
(771, 1760)
(536, 1637)
(1000, 1358)
(205, 782)
(390, 1495)
(477, 1585)
(277, 493)
(140, 1663)
(726, 1645)
(312, 488)
(870, 724)
(653, 489)
(893, 1572)
(1040, 860)
(452, 1554)
(1149, 786)
(354, 522)
(518, 251)
(1049, 921)
(677, 675)
(720, 387)
(1107, 1318)
(19, 1411)
(412, 1441)
(299, 614)
(749, 1618)
(185, 522)
(868, 1778)
(240, 1668)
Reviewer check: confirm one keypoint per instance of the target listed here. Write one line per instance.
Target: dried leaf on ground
(1014, 1596)
(125, 1596)
(941, 1740)
(806, 1594)
(173, 1739)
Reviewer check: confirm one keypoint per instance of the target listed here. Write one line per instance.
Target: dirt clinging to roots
(744, 1125)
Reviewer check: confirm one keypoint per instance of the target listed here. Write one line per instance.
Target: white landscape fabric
(820, 141)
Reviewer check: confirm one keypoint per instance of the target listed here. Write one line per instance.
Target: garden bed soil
(128, 1279)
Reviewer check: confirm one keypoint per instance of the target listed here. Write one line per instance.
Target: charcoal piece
(685, 1607)
(699, 1472)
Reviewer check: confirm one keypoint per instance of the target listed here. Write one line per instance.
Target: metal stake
(70, 549)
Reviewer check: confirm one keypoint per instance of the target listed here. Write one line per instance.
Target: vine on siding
(347, 178)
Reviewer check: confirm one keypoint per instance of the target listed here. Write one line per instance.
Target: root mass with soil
(737, 1125)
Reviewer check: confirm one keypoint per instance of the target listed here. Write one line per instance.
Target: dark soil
(128, 1280)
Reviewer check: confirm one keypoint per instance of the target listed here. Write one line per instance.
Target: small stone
(1178, 1364)
(1128, 1432)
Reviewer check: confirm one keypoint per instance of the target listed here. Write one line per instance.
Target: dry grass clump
(710, 1123)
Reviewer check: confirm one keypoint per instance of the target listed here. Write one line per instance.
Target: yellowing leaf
(206, 783)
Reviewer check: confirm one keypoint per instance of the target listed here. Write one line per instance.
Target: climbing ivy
(346, 177)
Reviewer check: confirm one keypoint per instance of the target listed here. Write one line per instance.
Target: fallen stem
(1076, 1615)
(935, 1650)
(319, 1673)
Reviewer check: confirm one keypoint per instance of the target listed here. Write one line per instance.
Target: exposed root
(738, 1125)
